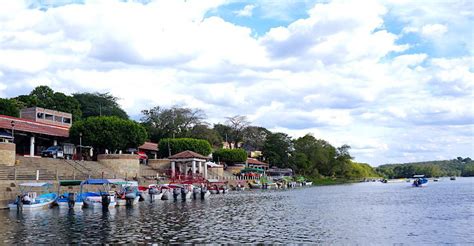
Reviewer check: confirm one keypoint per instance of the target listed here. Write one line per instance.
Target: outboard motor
(175, 193)
(196, 191)
(203, 192)
(183, 194)
(105, 201)
(19, 203)
(71, 200)
(152, 191)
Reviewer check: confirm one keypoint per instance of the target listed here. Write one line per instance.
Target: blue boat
(68, 199)
(29, 200)
(99, 198)
(420, 181)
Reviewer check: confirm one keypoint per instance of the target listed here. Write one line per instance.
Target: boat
(255, 185)
(452, 178)
(154, 192)
(420, 181)
(70, 200)
(29, 200)
(308, 183)
(128, 192)
(100, 198)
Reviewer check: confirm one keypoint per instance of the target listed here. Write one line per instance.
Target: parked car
(53, 151)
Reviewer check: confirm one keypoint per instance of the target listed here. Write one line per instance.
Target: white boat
(308, 183)
(29, 200)
(128, 191)
(63, 201)
(97, 199)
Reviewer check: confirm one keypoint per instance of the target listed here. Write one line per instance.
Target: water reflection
(361, 213)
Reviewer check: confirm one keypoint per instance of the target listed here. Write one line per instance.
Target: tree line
(103, 124)
(455, 167)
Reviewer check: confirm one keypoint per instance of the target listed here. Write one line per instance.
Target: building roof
(188, 154)
(33, 127)
(149, 146)
(254, 161)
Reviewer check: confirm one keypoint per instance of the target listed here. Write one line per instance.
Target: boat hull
(123, 202)
(29, 207)
(96, 202)
(65, 205)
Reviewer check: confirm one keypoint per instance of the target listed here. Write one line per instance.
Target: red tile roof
(33, 127)
(149, 146)
(188, 154)
(255, 162)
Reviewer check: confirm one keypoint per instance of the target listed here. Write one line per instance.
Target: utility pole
(80, 144)
(13, 131)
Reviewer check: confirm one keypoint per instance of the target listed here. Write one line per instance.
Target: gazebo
(186, 161)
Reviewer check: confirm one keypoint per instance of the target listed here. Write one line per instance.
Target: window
(49, 117)
(40, 116)
(66, 120)
(58, 118)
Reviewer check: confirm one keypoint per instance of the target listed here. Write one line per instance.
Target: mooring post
(37, 174)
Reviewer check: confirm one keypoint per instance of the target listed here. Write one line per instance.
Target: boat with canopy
(99, 199)
(128, 192)
(70, 200)
(28, 199)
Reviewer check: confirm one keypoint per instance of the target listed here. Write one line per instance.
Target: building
(47, 116)
(254, 163)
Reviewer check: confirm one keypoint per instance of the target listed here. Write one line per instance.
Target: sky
(392, 78)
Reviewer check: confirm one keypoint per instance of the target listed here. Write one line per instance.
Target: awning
(36, 184)
(5, 134)
(70, 182)
(95, 181)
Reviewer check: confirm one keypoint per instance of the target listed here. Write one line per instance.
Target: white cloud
(246, 11)
(338, 73)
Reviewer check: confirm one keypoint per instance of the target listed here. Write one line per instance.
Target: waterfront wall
(159, 164)
(7, 154)
(124, 164)
(234, 169)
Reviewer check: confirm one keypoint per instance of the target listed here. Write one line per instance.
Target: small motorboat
(128, 193)
(29, 200)
(70, 200)
(420, 181)
(100, 199)
(452, 178)
(154, 193)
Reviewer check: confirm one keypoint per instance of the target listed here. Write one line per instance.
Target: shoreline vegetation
(100, 122)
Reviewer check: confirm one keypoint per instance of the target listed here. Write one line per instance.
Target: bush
(177, 145)
(230, 156)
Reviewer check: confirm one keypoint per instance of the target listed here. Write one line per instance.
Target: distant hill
(456, 167)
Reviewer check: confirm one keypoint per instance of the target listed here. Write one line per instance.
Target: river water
(363, 213)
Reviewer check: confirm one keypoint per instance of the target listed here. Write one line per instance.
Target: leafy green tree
(202, 131)
(171, 146)
(9, 107)
(230, 156)
(173, 122)
(320, 154)
(225, 132)
(276, 149)
(108, 132)
(99, 104)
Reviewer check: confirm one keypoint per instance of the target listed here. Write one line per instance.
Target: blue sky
(393, 79)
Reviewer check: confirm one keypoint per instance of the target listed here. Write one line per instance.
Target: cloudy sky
(393, 79)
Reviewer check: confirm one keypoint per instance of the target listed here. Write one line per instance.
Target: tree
(254, 137)
(225, 132)
(320, 154)
(230, 156)
(9, 107)
(99, 104)
(171, 146)
(202, 131)
(173, 122)
(108, 132)
(237, 125)
(276, 149)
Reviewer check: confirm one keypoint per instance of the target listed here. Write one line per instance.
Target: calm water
(365, 213)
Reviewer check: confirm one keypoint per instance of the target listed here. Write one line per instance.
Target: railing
(43, 174)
